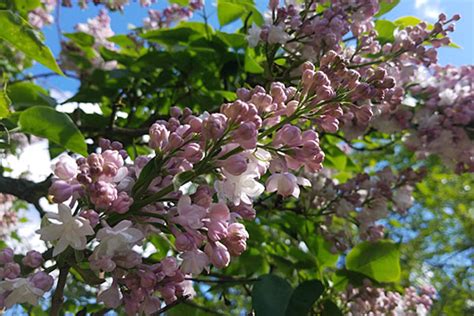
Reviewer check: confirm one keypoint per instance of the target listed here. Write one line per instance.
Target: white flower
(253, 36)
(22, 291)
(121, 237)
(68, 230)
(239, 188)
(447, 97)
(194, 261)
(286, 184)
(277, 34)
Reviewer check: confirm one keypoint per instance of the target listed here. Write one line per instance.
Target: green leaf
(24, 6)
(385, 29)
(4, 104)
(407, 21)
(250, 63)
(234, 40)
(81, 39)
(331, 309)
(378, 260)
(386, 6)
(182, 178)
(171, 36)
(303, 297)
(57, 127)
(229, 11)
(86, 275)
(26, 94)
(270, 296)
(20, 34)
(180, 2)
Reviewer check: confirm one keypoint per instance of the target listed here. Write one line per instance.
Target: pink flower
(169, 266)
(194, 262)
(190, 214)
(111, 297)
(285, 184)
(61, 191)
(213, 126)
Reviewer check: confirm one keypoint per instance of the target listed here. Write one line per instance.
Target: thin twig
(58, 297)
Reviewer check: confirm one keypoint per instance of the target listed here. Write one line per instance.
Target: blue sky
(133, 14)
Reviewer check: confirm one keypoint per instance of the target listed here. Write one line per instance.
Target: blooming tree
(229, 173)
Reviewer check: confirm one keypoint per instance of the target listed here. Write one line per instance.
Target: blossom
(240, 188)
(111, 297)
(286, 184)
(190, 214)
(121, 237)
(66, 229)
(253, 36)
(194, 261)
(20, 290)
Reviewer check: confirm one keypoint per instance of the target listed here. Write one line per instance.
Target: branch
(180, 300)
(58, 297)
(26, 190)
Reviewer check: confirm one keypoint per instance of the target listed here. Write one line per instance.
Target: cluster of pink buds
(174, 13)
(305, 31)
(363, 200)
(23, 283)
(370, 300)
(437, 120)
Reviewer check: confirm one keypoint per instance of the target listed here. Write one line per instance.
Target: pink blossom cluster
(174, 13)
(363, 201)
(42, 15)
(249, 140)
(436, 115)
(99, 28)
(370, 300)
(18, 286)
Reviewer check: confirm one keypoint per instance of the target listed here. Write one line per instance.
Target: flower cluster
(370, 300)
(99, 28)
(363, 200)
(170, 15)
(17, 287)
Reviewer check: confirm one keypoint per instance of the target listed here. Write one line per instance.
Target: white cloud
(429, 9)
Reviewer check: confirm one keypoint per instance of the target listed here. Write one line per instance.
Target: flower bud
(6, 256)
(235, 165)
(218, 254)
(33, 259)
(42, 281)
(66, 168)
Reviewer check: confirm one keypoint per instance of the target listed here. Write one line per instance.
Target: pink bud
(91, 216)
(147, 279)
(218, 254)
(246, 135)
(33, 259)
(122, 204)
(193, 152)
(6, 256)
(213, 127)
(236, 240)
(235, 165)
(65, 168)
(11, 270)
(42, 281)
(203, 196)
(184, 242)
(102, 194)
(158, 136)
(61, 191)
